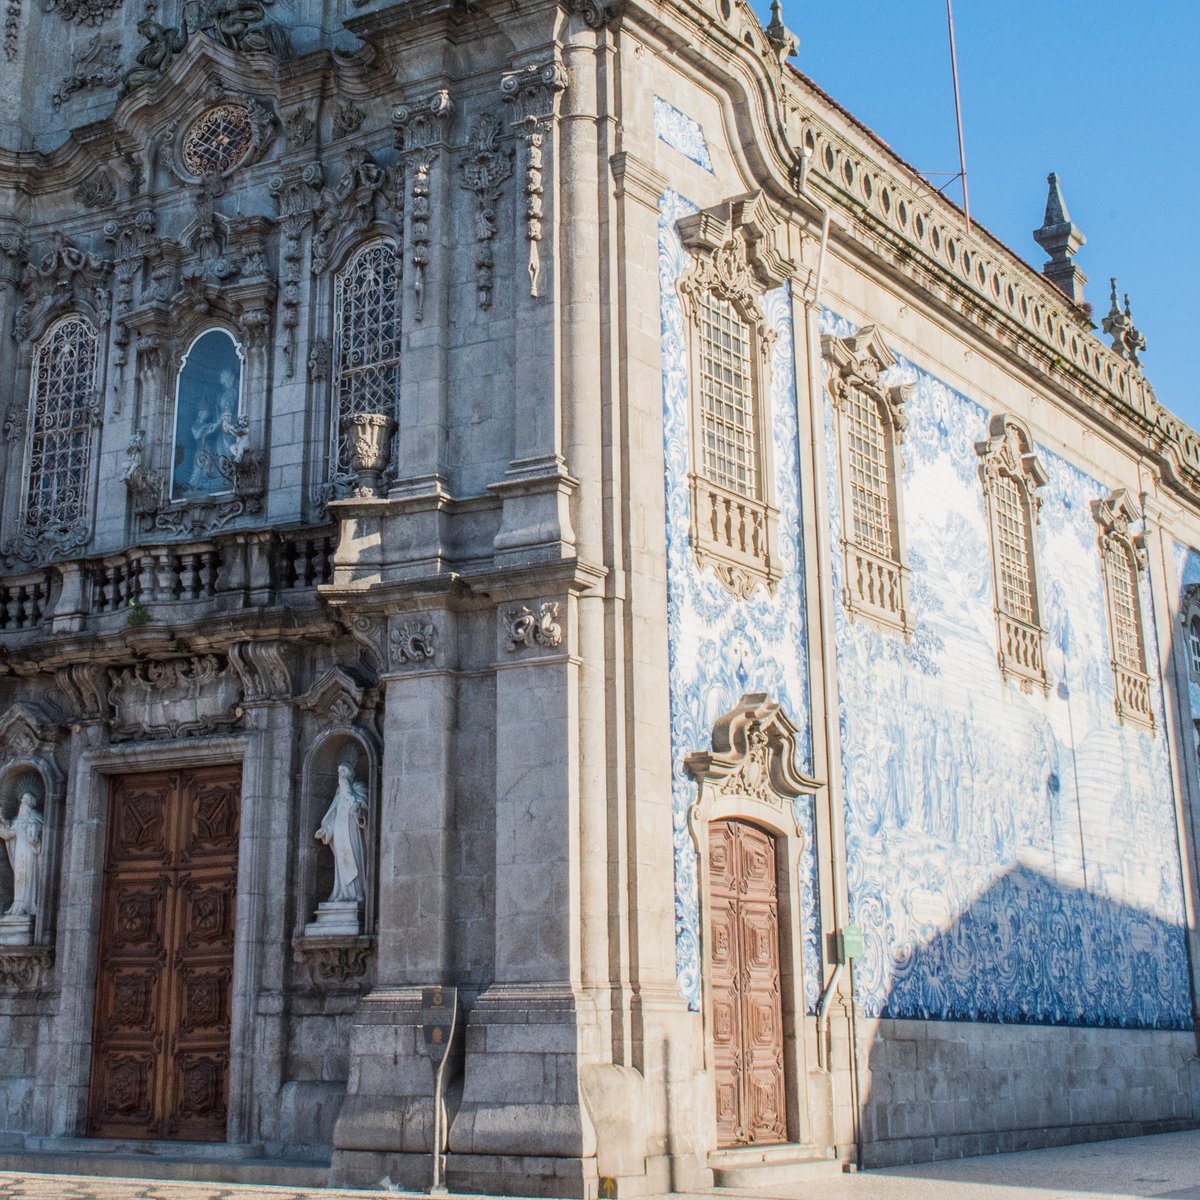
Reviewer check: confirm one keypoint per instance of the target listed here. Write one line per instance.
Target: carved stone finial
(1127, 340)
(783, 41)
(1061, 238)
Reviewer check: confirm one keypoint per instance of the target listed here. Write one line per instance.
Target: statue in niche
(342, 830)
(22, 837)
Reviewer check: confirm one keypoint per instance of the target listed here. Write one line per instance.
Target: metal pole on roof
(962, 154)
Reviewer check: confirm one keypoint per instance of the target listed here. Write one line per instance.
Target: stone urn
(369, 441)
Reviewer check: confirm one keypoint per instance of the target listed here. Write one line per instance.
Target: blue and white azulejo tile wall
(722, 647)
(1012, 856)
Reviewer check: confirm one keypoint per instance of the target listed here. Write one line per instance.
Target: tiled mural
(1012, 856)
(720, 647)
(681, 133)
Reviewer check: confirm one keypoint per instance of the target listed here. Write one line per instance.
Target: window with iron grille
(727, 419)
(366, 347)
(63, 398)
(1125, 606)
(1194, 644)
(1013, 551)
(868, 464)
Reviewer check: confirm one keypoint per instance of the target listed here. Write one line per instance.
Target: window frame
(40, 543)
(1131, 681)
(875, 584)
(339, 479)
(1008, 453)
(733, 532)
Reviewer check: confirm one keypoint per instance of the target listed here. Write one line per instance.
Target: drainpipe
(828, 656)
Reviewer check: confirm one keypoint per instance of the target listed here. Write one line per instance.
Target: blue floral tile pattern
(681, 133)
(721, 647)
(1012, 856)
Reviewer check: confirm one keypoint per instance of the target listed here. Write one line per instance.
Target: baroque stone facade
(349, 646)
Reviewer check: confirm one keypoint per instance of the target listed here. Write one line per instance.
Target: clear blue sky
(1107, 94)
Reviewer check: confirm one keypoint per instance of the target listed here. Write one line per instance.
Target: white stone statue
(342, 830)
(23, 843)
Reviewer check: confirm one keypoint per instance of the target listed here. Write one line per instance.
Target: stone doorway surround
(751, 776)
(93, 764)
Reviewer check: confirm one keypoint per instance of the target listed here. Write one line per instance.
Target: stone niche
(335, 937)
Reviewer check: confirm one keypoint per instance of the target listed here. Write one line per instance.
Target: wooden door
(747, 1012)
(160, 1060)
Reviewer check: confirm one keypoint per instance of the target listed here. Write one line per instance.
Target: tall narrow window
(61, 430)
(1122, 556)
(870, 421)
(366, 346)
(1194, 644)
(1012, 476)
(733, 520)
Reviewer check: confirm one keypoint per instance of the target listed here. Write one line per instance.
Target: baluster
(12, 608)
(165, 575)
(189, 574)
(145, 578)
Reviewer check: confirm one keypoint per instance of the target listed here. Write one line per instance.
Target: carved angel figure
(342, 830)
(162, 44)
(22, 838)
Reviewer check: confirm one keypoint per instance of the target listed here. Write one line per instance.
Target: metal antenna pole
(962, 154)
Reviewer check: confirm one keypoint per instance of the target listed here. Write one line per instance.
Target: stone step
(190, 1167)
(771, 1166)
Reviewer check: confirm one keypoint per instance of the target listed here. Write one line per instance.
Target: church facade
(538, 503)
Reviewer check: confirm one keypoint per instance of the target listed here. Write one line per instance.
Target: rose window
(218, 140)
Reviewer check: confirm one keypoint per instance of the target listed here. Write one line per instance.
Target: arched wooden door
(747, 1009)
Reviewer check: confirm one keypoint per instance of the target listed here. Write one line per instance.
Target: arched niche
(209, 416)
(749, 783)
(336, 951)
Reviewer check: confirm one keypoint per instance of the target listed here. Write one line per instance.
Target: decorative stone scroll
(534, 93)
(96, 65)
(413, 642)
(751, 768)
(528, 628)
(297, 197)
(175, 698)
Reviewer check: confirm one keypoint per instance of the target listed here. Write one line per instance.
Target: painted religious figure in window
(210, 432)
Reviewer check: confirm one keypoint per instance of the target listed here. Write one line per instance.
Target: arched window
(1011, 478)
(1194, 644)
(208, 416)
(366, 343)
(62, 420)
(870, 421)
(1121, 555)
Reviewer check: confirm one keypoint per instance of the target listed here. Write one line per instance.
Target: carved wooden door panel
(747, 1012)
(160, 1062)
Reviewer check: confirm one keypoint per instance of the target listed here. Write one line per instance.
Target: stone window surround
(1008, 452)
(734, 258)
(1131, 680)
(876, 585)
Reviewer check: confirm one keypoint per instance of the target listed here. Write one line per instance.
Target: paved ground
(1166, 1167)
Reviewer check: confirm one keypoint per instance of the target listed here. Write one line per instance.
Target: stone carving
(242, 25)
(62, 279)
(299, 128)
(597, 13)
(534, 93)
(338, 960)
(320, 355)
(1127, 340)
(85, 686)
(22, 837)
(84, 12)
(175, 698)
(12, 28)
(368, 437)
(97, 65)
(145, 485)
(414, 642)
(420, 129)
(348, 119)
(530, 627)
(335, 697)
(132, 242)
(343, 830)
(98, 191)
(484, 170)
(23, 968)
(370, 631)
(753, 758)
(14, 422)
(262, 670)
(162, 44)
(297, 198)
(347, 206)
